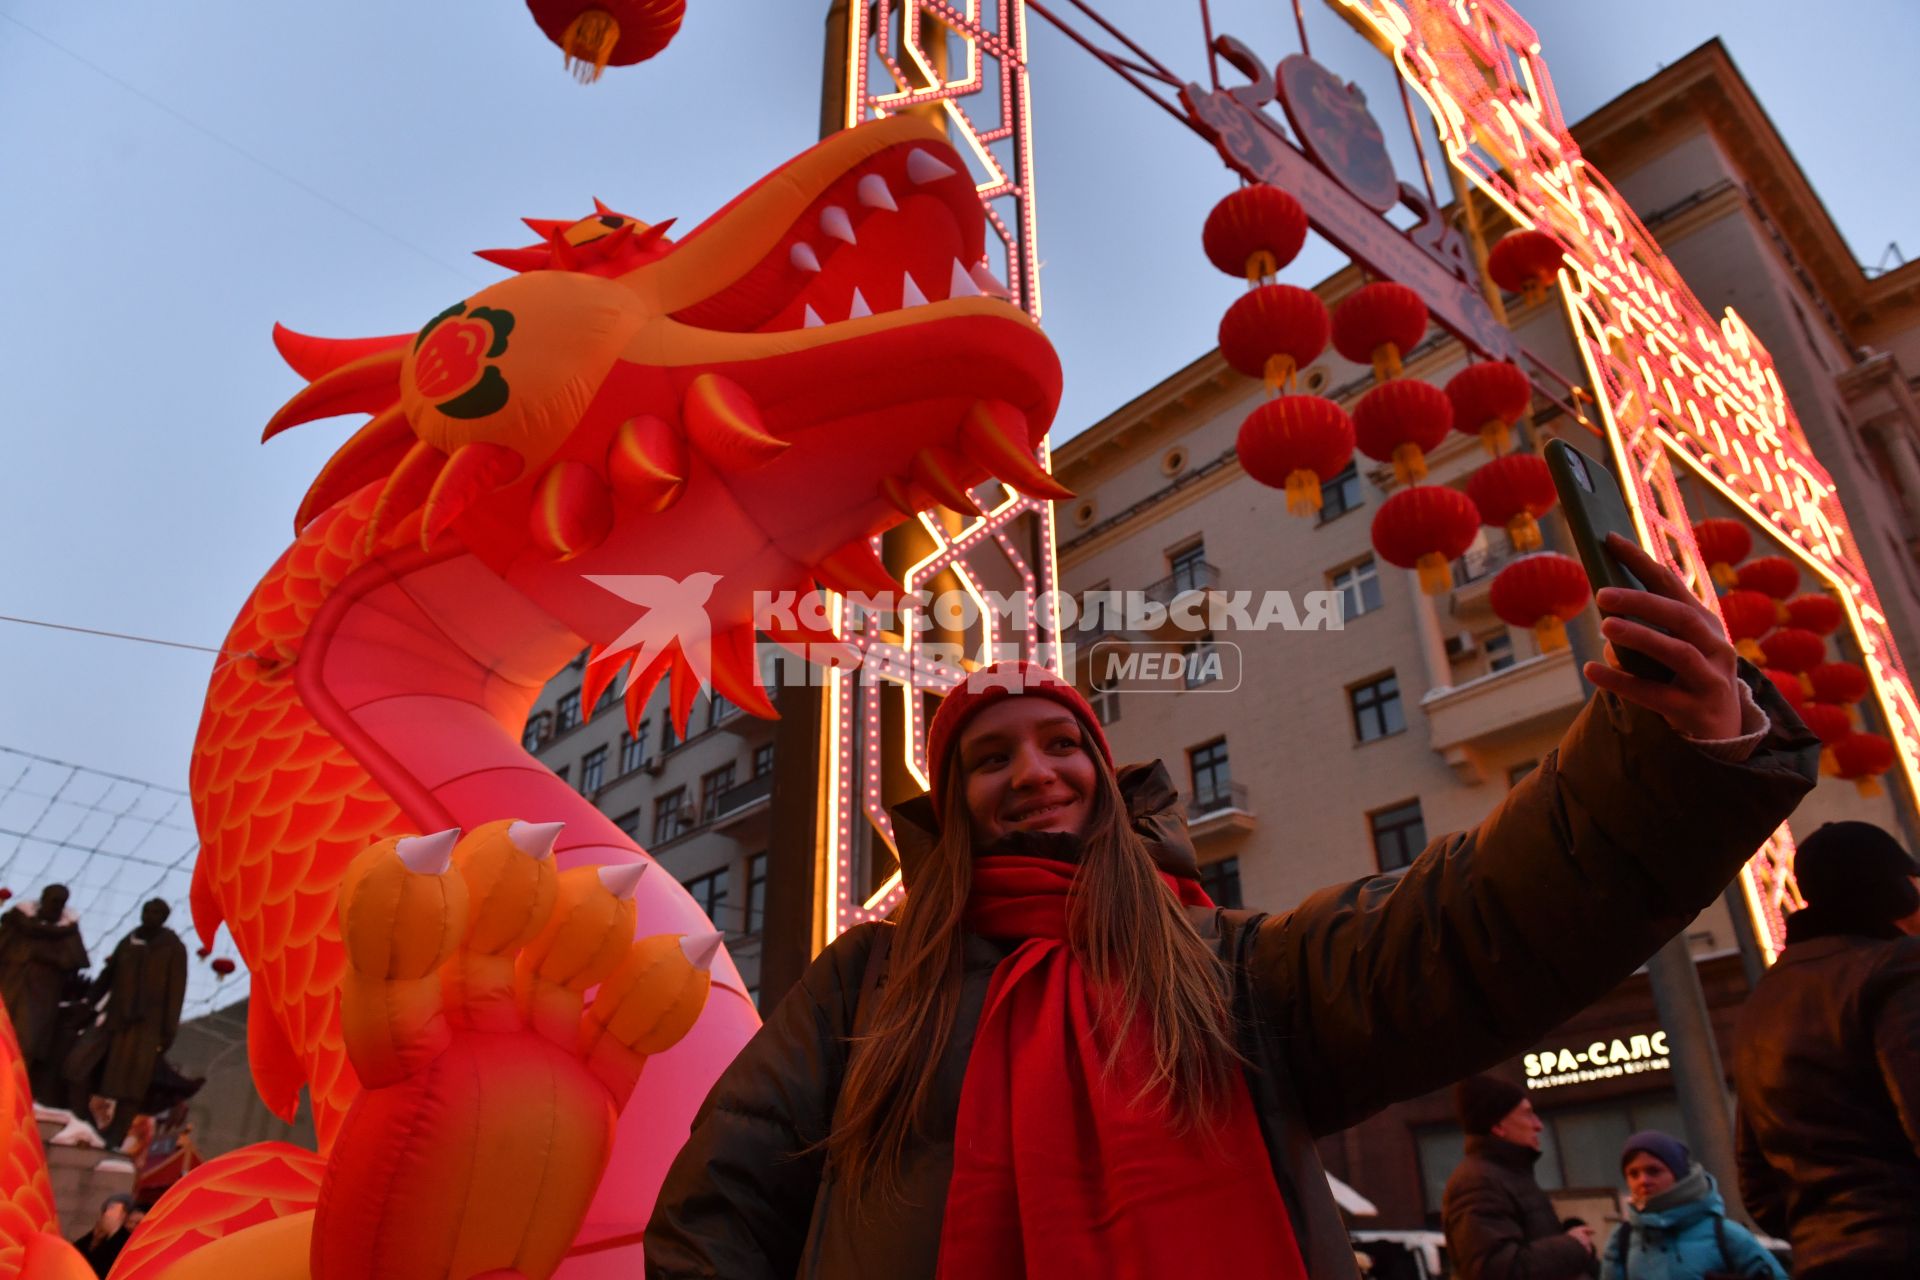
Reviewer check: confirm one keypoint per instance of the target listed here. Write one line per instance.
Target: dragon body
(747, 406)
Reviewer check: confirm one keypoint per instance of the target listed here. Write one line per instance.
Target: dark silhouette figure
(144, 983)
(41, 957)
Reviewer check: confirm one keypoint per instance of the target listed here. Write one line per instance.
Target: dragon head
(820, 359)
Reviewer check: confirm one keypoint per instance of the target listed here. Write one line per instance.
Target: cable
(122, 635)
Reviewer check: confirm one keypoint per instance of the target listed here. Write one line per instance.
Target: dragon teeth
(812, 319)
(803, 257)
(875, 194)
(910, 295)
(962, 285)
(923, 167)
(834, 221)
(860, 307)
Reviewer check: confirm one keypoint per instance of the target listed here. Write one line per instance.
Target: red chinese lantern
(1791, 649)
(1831, 725)
(1423, 528)
(5, 894)
(1295, 443)
(1254, 232)
(1789, 686)
(597, 34)
(1545, 592)
(1488, 399)
(1274, 331)
(1748, 615)
(1774, 576)
(1398, 422)
(1723, 544)
(1861, 758)
(222, 967)
(1378, 324)
(1525, 262)
(1840, 683)
(1513, 493)
(1816, 611)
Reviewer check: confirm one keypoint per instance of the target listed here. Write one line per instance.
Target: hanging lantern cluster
(1526, 262)
(1292, 442)
(1543, 592)
(1775, 625)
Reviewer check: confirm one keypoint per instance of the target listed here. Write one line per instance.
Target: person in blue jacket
(1677, 1227)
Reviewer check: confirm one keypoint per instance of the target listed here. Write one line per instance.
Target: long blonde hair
(1124, 925)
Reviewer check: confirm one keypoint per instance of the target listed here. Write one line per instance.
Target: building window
(1516, 772)
(1188, 567)
(670, 815)
(607, 695)
(535, 733)
(669, 736)
(763, 760)
(1203, 661)
(1221, 880)
(756, 893)
(629, 822)
(1399, 834)
(1376, 708)
(713, 784)
(567, 711)
(719, 711)
(1105, 703)
(1499, 647)
(562, 772)
(1340, 494)
(593, 770)
(1212, 782)
(710, 891)
(633, 749)
(1359, 588)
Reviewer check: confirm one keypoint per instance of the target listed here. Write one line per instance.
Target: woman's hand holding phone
(1703, 701)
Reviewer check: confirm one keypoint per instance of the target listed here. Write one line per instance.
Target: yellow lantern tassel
(1303, 493)
(1280, 372)
(1551, 633)
(1829, 765)
(1435, 574)
(1524, 530)
(1806, 684)
(1750, 650)
(1723, 575)
(1261, 265)
(1780, 614)
(1536, 291)
(1495, 435)
(1409, 463)
(1386, 362)
(588, 42)
(1869, 787)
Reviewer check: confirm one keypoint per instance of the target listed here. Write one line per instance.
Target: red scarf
(1056, 1174)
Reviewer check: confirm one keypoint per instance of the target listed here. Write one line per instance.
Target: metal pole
(1698, 1081)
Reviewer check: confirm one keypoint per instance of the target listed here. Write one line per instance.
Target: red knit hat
(982, 689)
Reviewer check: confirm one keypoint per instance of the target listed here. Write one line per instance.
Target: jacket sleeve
(1613, 1261)
(1761, 1187)
(1485, 1240)
(1747, 1257)
(1896, 1035)
(738, 1198)
(175, 994)
(1393, 986)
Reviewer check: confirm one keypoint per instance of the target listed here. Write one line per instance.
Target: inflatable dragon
(470, 1020)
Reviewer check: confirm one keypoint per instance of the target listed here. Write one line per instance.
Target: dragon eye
(611, 220)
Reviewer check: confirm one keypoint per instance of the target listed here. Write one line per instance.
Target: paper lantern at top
(1774, 576)
(1254, 232)
(1488, 398)
(1748, 615)
(1525, 262)
(1513, 493)
(1544, 592)
(1378, 324)
(1296, 443)
(1423, 528)
(1788, 683)
(1274, 331)
(1723, 544)
(1399, 421)
(222, 967)
(1815, 611)
(1861, 758)
(597, 34)
(1841, 683)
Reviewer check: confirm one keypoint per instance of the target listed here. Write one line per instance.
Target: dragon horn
(937, 471)
(652, 233)
(521, 260)
(724, 424)
(736, 673)
(682, 689)
(406, 489)
(595, 680)
(366, 385)
(476, 469)
(994, 434)
(647, 462)
(372, 452)
(545, 227)
(641, 683)
(600, 208)
(854, 569)
(563, 254)
(310, 357)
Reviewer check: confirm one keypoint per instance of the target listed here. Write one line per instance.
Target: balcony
(1188, 588)
(732, 719)
(738, 805)
(1473, 576)
(1219, 811)
(1466, 721)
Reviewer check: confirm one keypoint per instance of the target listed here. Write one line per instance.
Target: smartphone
(1591, 501)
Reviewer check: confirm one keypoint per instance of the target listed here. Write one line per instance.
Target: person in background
(1499, 1223)
(41, 957)
(1677, 1227)
(103, 1243)
(1826, 1065)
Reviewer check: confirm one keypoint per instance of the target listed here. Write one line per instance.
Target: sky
(179, 177)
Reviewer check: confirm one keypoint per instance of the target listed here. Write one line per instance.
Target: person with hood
(41, 956)
(144, 983)
(1826, 1065)
(1677, 1227)
(1058, 1059)
(1499, 1223)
